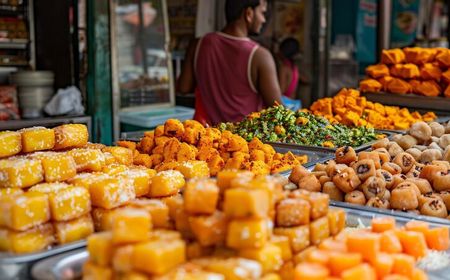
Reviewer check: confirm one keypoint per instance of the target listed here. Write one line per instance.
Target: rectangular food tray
(17, 266)
(68, 266)
(388, 134)
(441, 104)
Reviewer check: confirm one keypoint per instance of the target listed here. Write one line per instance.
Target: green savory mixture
(278, 124)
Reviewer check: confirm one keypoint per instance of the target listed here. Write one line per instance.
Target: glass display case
(141, 63)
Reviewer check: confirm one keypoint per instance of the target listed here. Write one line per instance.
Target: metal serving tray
(441, 104)
(68, 266)
(17, 266)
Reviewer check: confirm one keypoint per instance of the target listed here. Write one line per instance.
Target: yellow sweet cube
(299, 236)
(109, 158)
(100, 248)
(114, 169)
(232, 268)
(37, 139)
(224, 178)
(336, 220)
(92, 271)
(164, 235)
(182, 224)
(283, 243)
(247, 233)
(131, 225)
(20, 172)
(70, 136)
(246, 203)
(201, 196)
(86, 179)
(122, 155)
(166, 183)
(29, 241)
(90, 160)
(110, 193)
(194, 169)
(140, 180)
(103, 218)
(194, 251)
(66, 202)
(58, 167)
(24, 211)
(122, 258)
(157, 209)
(10, 191)
(319, 204)
(10, 143)
(269, 256)
(159, 257)
(209, 230)
(175, 203)
(319, 230)
(132, 275)
(74, 230)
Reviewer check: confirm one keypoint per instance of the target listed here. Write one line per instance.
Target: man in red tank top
(233, 75)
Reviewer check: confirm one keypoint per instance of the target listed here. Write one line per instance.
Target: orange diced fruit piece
(413, 243)
(333, 246)
(365, 243)
(438, 238)
(311, 271)
(383, 264)
(24, 211)
(10, 143)
(166, 183)
(201, 196)
(37, 139)
(339, 262)
(381, 224)
(100, 248)
(70, 136)
(20, 173)
(74, 230)
(362, 271)
(403, 264)
(319, 256)
(29, 241)
(158, 257)
(390, 243)
(130, 225)
(417, 226)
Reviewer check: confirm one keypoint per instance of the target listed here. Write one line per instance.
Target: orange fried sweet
(393, 56)
(399, 86)
(377, 71)
(370, 85)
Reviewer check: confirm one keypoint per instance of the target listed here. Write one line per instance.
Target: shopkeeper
(232, 75)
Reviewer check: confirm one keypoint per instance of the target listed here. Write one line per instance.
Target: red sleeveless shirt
(223, 72)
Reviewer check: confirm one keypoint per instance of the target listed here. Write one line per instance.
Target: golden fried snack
(430, 171)
(364, 168)
(386, 176)
(371, 155)
(426, 197)
(423, 185)
(377, 71)
(419, 55)
(334, 192)
(370, 85)
(384, 81)
(186, 152)
(392, 56)
(355, 197)
(310, 183)
(345, 155)
(428, 88)
(391, 168)
(399, 86)
(430, 71)
(374, 187)
(421, 131)
(441, 182)
(398, 179)
(170, 149)
(381, 143)
(346, 180)
(147, 143)
(378, 203)
(445, 195)
(297, 173)
(404, 198)
(173, 128)
(405, 161)
(443, 58)
(434, 208)
(215, 164)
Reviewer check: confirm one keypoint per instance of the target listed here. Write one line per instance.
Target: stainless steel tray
(17, 266)
(65, 266)
(68, 266)
(441, 104)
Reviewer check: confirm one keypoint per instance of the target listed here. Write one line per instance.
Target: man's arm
(186, 82)
(264, 76)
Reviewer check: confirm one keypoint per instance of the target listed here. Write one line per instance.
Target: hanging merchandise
(366, 35)
(405, 14)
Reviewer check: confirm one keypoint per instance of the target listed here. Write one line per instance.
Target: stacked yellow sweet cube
(53, 183)
(237, 226)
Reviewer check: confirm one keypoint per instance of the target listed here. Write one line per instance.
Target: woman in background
(288, 74)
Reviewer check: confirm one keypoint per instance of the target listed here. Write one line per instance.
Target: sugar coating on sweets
(49, 187)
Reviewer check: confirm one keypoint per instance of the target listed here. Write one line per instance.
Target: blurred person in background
(232, 75)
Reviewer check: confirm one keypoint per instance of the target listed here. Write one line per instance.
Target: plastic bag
(66, 101)
(291, 104)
